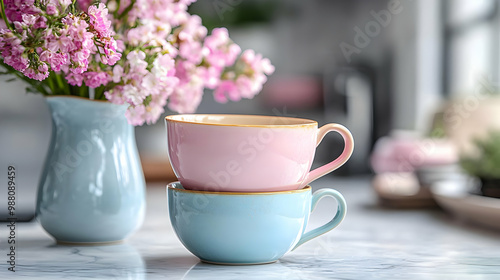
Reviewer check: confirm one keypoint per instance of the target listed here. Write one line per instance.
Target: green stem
(115, 14)
(50, 81)
(99, 93)
(34, 84)
(74, 90)
(63, 86)
(72, 7)
(127, 10)
(83, 91)
(5, 16)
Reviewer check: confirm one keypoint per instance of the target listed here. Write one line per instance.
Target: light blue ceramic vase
(246, 228)
(92, 188)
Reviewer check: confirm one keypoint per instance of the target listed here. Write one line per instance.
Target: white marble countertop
(372, 243)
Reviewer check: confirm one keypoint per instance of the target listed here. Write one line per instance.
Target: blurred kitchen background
(376, 66)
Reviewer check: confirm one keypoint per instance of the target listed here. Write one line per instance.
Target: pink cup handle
(338, 162)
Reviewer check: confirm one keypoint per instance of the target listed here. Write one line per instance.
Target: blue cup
(246, 228)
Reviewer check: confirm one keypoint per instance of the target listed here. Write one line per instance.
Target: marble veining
(371, 243)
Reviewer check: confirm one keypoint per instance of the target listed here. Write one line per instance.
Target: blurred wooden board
(157, 170)
(402, 190)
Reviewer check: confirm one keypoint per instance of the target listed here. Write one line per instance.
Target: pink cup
(240, 153)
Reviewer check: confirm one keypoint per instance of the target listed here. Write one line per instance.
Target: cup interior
(239, 120)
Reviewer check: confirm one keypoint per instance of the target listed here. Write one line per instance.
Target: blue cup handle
(339, 216)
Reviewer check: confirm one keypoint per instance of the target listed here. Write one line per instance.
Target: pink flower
(190, 36)
(61, 43)
(85, 4)
(186, 2)
(219, 50)
(117, 73)
(37, 73)
(74, 40)
(64, 3)
(99, 20)
(56, 60)
(41, 22)
(210, 76)
(115, 95)
(154, 109)
(136, 60)
(172, 12)
(187, 95)
(257, 63)
(151, 33)
(26, 24)
(96, 79)
(186, 98)
(14, 9)
(191, 51)
(163, 66)
(135, 114)
(247, 82)
(52, 9)
(226, 88)
(111, 56)
(133, 94)
(157, 83)
(74, 79)
(192, 29)
(183, 70)
(247, 87)
(12, 51)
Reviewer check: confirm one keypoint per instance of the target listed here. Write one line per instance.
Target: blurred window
(471, 44)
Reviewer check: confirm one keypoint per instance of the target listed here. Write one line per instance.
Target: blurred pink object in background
(405, 153)
(293, 92)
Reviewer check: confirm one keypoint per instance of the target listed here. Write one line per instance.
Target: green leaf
(31, 90)
(127, 10)
(485, 162)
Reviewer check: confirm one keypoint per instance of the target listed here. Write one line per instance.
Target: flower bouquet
(145, 53)
(136, 57)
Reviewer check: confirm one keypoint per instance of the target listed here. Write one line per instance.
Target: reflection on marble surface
(372, 243)
(268, 271)
(47, 260)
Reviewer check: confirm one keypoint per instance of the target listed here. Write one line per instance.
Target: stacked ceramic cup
(243, 195)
